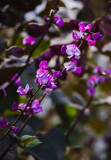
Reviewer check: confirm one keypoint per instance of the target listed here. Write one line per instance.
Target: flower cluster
(29, 41)
(73, 54)
(86, 34)
(96, 79)
(4, 124)
(32, 108)
(46, 77)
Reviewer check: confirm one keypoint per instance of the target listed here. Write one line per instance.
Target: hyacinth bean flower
(15, 129)
(29, 41)
(18, 80)
(3, 123)
(36, 107)
(85, 33)
(72, 66)
(22, 91)
(59, 22)
(72, 50)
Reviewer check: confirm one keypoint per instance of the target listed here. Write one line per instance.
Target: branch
(78, 118)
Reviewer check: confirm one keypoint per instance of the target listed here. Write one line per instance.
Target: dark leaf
(17, 51)
(35, 29)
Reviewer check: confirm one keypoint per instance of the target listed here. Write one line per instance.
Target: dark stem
(19, 115)
(15, 139)
(78, 118)
(36, 45)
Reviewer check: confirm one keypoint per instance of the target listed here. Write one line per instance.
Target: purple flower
(29, 41)
(78, 70)
(83, 28)
(96, 36)
(70, 66)
(35, 107)
(3, 123)
(43, 65)
(30, 110)
(56, 74)
(72, 50)
(59, 22)
(77, 35)
(22, 91)
(91, 43)
(15, 129)
(108, 71)
(97, 69)
(22, 106)
(91, 91)
(18, 80)
(63, 49)
(15, 106)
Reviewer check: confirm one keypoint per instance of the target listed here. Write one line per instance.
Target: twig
(78, 118)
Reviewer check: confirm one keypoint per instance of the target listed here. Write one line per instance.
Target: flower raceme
(96, 79)
(86, 34)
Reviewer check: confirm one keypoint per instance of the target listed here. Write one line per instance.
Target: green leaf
(30, 141)
(41, 48)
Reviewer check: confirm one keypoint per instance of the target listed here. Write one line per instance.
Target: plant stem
(27, 120)
(19, 115)
(78, 118)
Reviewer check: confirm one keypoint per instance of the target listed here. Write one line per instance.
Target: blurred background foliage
(91, 140)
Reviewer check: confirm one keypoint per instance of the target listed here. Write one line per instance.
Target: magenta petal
(60, 23)
(89, 26)
(91, 91)
(43, 65)
(29, 40)
(78, 70)
(21, 91)
(81, 27)
(96, 36)
(91, 43)
(37, 110)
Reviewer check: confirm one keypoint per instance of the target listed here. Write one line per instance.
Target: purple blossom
(77, 35)
(30, 110)
(43, 65)
(70, 66)
(22, 106)
(96, 36)
(15, 129)
(63, 49)
(15, 106)
(3, 123)
(56, 74)
(84, 33)
(59, 22)
(72, 50)
(108, 71)
(83, 28)
(29, 41)
(22, 91)
(18, 80)
(78, 70)
(91, 91)
(35, 107)
(97, 69)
